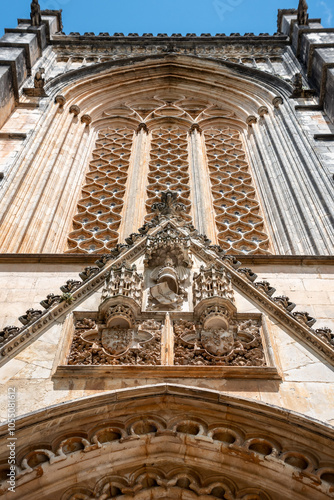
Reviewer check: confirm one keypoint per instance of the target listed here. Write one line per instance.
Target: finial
(169, 206)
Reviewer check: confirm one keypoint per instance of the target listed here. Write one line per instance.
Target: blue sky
(166, 16)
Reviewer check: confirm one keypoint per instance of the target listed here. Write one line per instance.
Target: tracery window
(238, 216)
(182, 145)
(95, 226)
(169, 165)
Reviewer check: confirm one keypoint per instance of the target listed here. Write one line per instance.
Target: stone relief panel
(240, 345)
(239, 219)
(167, 267)
(96, 224)
(95, 344)
(127, 330)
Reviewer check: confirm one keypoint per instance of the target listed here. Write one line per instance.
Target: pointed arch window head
(184, 145)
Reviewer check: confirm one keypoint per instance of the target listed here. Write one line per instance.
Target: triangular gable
(169, 218)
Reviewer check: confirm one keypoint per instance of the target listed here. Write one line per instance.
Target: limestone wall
(307, 380)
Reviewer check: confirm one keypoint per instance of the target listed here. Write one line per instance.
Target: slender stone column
(200, 189)
(134, 201)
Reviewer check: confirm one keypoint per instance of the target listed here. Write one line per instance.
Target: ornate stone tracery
(95, 226)
(239, 220)
(125, 330)
(168, 167)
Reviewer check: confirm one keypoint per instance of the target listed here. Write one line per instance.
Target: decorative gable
(167, 304)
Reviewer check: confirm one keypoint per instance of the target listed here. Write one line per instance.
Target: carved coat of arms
(217, 342)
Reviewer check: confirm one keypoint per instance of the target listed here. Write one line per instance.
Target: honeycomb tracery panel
(96, 224)
(238, 216)
(168, 167)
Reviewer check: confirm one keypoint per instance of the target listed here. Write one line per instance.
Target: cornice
(60, 39)
(85, 259)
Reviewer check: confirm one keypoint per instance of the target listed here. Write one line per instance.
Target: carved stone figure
(39, 81)
(35, 13)
(302, 15)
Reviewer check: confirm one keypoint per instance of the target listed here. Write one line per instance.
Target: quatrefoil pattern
(239, 220)
(96, 224)
(168, 167)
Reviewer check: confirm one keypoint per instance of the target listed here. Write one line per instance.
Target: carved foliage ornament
(94, 344)
(240, 345)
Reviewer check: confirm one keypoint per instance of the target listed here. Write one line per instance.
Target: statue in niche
(302, 15)
(35, 13)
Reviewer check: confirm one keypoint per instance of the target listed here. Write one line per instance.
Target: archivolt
(172, 442)
(104, 97)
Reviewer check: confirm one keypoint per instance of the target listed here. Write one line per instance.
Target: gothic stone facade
(166, 266)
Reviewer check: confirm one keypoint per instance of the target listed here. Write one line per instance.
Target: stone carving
(167, 262)
(39, 81)
(61, 100)
(123, 280)
(284, 302)
(212, 282)
(30, 316)
(251, 120)
(142, 126)
(94, 344)
(86, 119)
(297, 83)
(88, 272)
(248, 273)
(233, 430)
(326, 335)
(304, 317)
(168, 205)
(96, 224)
(8, 333)
(239, 345)
(50, 300)
(277, 101)
(302, 15)
(298, 90)
(195, 126)
(70, 286)
(265, 287)
(168, 292)
(239, 221)
(74, 109)
(263, 110)
(35, 13)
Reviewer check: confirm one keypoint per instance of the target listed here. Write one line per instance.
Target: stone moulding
(11, 345)
(234, 432)
(206, 372)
